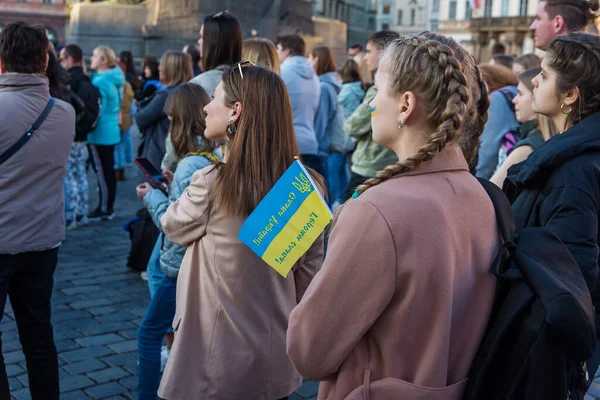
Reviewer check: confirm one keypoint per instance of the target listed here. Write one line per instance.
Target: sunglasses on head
(243, 64)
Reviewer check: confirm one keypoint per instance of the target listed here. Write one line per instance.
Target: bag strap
(28, 133)
(508, 96)
(503, 209)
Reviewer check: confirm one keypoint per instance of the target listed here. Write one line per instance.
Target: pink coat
(232, 308)
(401, 303)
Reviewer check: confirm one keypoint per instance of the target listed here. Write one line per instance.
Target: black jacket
(81, 85)
(558, 187)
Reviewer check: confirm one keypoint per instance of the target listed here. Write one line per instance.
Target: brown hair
(528, 61)
(221, 41)
(577, 14)
(441, 86)
(497, 76)
(292, 42)
(350, 72)
(576, 58)
(264, 144)
(326, 62)
(261, 52)
(504, 59)
(24, 48)
(365, 76)
(184, 105)
(477, 108)
(527, 77)
(175, 68)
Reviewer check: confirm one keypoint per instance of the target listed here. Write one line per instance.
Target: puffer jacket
(157, 203)
(110, 83)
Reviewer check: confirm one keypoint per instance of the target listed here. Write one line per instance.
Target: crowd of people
(397, 299)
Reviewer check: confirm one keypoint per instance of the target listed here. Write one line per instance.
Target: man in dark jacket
(76, 182)
(32, 223)
(558, 187)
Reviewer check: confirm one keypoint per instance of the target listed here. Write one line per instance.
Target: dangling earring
(400, 123)
(563, 110)
(231, 128)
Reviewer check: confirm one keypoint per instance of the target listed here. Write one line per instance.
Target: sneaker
(99, 215)
(71, 225)
(82, 220)
(164, 357)
(144, 275)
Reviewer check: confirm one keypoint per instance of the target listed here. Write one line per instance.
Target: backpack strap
(508, 96)
(28, 133)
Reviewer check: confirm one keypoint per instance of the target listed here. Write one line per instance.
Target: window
(387, 9)
(1, 27)
(505, 8)
(52, 36)
(452, 15)
(487, 12)
(385, 27)
(371, 25)
(468, 10)
(434, 26)
(48, 1)
(413, 15)
(523, 8)
(400, 15)
(436, 6)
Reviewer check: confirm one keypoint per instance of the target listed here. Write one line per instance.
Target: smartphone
(154, 174)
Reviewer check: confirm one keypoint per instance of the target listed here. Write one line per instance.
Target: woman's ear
(571, 96)
(406, 107)
(236, 112)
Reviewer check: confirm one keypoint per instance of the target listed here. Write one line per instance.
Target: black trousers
(103, 161)
(355, 181)
(28, 279)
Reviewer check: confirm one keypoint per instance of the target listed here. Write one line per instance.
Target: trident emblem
(302, 184)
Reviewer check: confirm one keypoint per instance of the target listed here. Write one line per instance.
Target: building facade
(359, 15)
(403, 16)
(50, 14)
(494, 21)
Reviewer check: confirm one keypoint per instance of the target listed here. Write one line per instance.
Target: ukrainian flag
(287, 221)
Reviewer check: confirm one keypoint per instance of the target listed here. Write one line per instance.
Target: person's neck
(410, 141)
(101, 70)
(560, 122)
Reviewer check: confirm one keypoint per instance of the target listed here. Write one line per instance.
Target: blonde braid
(455, 85)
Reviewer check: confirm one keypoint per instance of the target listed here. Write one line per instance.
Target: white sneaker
(164, 357)
(144, 275)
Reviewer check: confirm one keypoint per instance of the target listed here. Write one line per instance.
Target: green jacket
(369, 157)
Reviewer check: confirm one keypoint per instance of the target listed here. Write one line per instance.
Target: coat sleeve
(501, 120)
(572, 215)
(335, 313)
(185, 221)
(152, 112)
(156, 203)
(359, 123)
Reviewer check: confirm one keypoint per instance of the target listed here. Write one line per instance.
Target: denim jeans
(338, 178)
(317, 163)
(155, 274)
(156, 322)
(28, 278)
(124, 151)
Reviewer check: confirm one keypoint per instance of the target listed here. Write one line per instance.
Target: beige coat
(403, 298)
(232, 308)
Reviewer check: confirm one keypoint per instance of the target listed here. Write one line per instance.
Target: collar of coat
(581, 138)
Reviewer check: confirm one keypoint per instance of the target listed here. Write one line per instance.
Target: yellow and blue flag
(287, 221)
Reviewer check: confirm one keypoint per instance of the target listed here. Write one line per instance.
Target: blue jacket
(330, 89)
(305, 90)
(110, 83)
(501, 120)
(157, 203)
(350, 97)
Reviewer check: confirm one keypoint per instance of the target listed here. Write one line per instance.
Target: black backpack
(143, 234)
(90, 95)
(541, 328)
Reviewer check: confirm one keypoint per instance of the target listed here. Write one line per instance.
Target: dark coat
(154, 126)
(558, 187)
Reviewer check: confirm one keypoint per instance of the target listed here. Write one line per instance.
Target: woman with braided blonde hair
(403, 298)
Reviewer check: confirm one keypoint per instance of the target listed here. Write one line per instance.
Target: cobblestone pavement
(97, 306)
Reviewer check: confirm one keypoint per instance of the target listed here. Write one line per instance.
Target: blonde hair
(438, 81)
(261, 52)
(175, 68)
(108, 55)
(365, 76)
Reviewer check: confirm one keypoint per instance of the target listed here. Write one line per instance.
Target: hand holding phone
(155, 176)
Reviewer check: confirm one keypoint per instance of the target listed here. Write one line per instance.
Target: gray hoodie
(305, 90)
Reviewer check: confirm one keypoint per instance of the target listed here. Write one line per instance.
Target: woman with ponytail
(403, 297)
